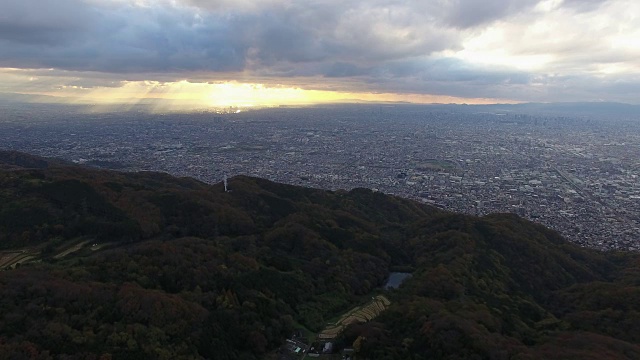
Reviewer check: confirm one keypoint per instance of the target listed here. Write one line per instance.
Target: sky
(283, 52)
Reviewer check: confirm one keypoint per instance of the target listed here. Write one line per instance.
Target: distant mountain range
(109, 265)
(560, 108)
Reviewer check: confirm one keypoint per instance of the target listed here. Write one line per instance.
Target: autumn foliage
(175, 268)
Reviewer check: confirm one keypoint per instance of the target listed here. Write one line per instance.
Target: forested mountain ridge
(146, 265)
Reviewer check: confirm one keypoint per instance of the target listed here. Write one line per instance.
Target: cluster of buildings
(576, 175)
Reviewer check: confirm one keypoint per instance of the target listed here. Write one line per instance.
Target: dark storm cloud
(470, 13)
(444, 69)
(335, 32)
(340, 69)
(420, 74)
(120, 39)
(43, 22)
(444, 77)
(370, 45)
(123, 38)
(294, 38)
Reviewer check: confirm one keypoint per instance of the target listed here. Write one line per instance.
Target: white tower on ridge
(225, 184)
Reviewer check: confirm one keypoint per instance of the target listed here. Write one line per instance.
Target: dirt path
(71, 250)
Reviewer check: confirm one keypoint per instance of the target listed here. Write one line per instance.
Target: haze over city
(573, 168)
(556, 146)
(196, 53)
(330, 179)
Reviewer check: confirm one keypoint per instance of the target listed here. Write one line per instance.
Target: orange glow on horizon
(185, 95)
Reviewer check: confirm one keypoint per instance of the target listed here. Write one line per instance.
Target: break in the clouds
(520, 50)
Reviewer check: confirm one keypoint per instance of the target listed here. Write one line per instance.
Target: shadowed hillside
(102, 264)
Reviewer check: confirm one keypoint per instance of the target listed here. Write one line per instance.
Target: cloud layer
(504, 49)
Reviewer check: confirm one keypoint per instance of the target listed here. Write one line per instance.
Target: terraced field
(70, 250)
(358, 314)
(10, 259)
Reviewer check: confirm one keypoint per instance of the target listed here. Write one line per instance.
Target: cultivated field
(70, 250)
(9, 259)
(363, 313)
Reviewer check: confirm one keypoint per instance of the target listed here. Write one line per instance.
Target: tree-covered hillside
(102, 264)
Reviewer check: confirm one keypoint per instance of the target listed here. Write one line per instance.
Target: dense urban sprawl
(577, 175)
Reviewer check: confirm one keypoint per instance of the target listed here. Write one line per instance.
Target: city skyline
(195, 53)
